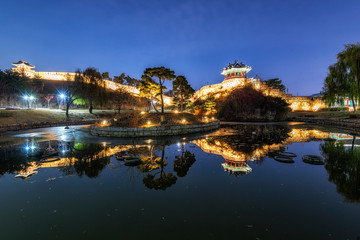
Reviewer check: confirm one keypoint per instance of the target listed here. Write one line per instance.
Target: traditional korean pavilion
(22, 66)
(236, 70)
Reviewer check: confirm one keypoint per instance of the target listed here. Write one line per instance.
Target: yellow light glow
(148, 123)
(176, 111)
(183, 121)
(316, 107)
(142, 112)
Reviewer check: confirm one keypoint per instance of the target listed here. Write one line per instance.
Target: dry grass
(46, 115)
(327, 114)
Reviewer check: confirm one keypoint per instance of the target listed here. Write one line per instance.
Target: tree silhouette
(183, 162)
(164, 180)
(162, 74)
(182, 91)
(90, 86)
(275, 83)
(149, 89)
(119, 79)
(48, 98)
(343, 167)
(343, 79)
(105, 75)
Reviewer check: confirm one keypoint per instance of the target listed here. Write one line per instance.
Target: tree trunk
(354, 105)
(153, 106)
(91, 108)
(67, 111)
(181, 105)
(162, 102)
(49, 104)
(162, 159)
(353, 143)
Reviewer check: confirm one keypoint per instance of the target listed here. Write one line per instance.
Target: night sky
(295, 41)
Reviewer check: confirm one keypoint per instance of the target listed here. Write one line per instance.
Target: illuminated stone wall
(68, 76)
(224, 88)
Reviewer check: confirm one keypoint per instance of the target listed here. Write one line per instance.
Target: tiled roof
(23, 62)
(236, 65)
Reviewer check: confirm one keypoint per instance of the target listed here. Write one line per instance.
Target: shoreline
(35, 125)
(349, 125)
(352, 126)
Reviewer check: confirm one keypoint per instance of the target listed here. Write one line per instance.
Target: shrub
(248, 104)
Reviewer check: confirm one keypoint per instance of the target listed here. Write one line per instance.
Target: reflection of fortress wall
(236, 76)
(222, 148)
(26, 69)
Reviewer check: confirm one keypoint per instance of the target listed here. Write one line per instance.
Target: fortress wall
(303, 103)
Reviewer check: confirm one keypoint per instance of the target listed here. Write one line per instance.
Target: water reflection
(343, 167)
(238, 146)
(253, 143)
(90, 159)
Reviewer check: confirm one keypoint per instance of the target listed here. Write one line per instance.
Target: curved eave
(28, 65)
(237, 169)
(231, 70)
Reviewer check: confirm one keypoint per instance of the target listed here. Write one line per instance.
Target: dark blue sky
(293, 40)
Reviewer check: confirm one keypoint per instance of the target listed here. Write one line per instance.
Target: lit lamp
(29, 99)
(176, 111)
(183, 121)
(62, 97)
(149, 123)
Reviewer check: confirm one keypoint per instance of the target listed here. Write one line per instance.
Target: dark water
(181, 189)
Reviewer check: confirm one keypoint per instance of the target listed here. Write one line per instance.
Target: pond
(61, 183)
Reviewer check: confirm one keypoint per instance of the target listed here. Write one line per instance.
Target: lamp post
(62, 97)
(29, 99)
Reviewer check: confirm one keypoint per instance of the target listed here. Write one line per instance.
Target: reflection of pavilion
(236, 167)
(26, 173)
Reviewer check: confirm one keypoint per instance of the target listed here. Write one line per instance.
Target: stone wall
(153, 131)
(23, 126)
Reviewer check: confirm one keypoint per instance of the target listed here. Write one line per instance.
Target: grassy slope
(327, 114)
(45, 115)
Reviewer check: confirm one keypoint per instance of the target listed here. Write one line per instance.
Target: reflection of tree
(12, 160)
(89, 159)
(164, 180)
(183, 162)
(343, 167)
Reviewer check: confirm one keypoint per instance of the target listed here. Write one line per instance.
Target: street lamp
(29, 99)
(62, 97)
